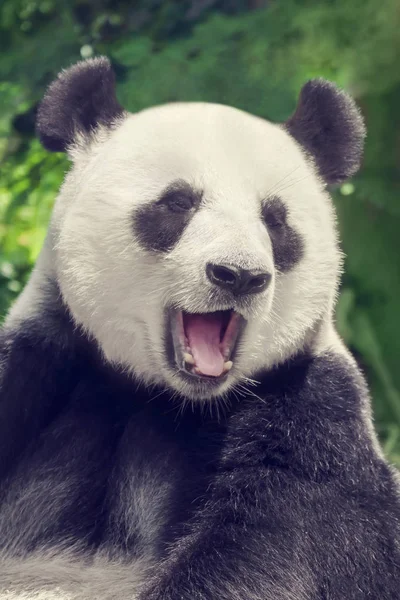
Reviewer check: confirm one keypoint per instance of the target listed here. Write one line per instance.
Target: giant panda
(179, 418)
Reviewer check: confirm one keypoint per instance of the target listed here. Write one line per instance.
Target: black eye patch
(158, 226)
(287, 244)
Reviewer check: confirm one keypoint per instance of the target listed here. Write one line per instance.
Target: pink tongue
(203, 333)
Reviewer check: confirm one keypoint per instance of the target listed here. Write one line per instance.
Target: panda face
(198, 246)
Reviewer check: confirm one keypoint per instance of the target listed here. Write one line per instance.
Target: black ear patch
(328, 124)
(79, 100)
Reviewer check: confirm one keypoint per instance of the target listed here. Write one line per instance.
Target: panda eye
(274, 221)
(178, 202)
(274, 214)
(179, 197)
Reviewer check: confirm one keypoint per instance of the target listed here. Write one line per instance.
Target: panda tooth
(228, 365)
(188, 358)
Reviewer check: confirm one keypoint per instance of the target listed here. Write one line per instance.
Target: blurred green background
(253, 54)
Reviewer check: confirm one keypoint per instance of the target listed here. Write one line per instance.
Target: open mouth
(204, 344)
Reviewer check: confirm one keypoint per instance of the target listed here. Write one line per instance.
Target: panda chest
(119, 485)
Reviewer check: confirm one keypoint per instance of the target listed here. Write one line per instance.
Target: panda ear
(81, 99)
(329, 126)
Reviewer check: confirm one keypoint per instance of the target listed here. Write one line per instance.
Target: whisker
(294, 182)
(274, 188)
(251, 393)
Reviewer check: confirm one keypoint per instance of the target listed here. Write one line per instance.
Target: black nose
(238, 281)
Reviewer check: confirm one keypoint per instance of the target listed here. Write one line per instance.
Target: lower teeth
(188, 358)
(227, 367)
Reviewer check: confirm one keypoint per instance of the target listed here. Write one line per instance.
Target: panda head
(195, 242)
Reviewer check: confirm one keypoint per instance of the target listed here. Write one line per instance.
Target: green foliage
(251, 54)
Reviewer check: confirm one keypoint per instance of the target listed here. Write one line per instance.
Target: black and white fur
(121, 479)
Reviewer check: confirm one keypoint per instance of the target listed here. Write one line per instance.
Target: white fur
(77, 577)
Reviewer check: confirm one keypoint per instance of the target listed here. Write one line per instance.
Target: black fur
(328, 124)
(287, 244)
(283, 498)
(159, 225)
(77, 102)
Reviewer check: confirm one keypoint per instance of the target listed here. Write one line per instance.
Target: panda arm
(302, 506)
(37, 372)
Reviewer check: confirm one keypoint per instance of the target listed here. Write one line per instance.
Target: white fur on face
(119, 292)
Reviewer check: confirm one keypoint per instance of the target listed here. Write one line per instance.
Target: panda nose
(238, 281)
